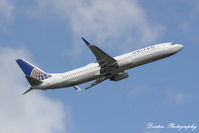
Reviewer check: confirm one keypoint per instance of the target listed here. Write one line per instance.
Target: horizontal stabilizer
(77, 88)
(33, 81)
(91, 85)
(27, 91)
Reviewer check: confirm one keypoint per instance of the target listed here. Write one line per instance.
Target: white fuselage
(125, 61)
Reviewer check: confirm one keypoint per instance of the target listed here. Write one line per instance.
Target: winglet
(87, 43)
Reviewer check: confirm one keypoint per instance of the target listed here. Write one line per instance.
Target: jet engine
(119, 76)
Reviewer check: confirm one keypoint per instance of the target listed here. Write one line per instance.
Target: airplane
(105, 67)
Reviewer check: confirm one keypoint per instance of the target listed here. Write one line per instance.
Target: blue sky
(48, 32)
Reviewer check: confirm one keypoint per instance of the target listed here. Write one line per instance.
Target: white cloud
(197, 5)
(138, 90)
(6, 12)
(30, 113)
(189, 28)
(177, 97)
(118, 23)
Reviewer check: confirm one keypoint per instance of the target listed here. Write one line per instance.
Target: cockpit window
(172, 43)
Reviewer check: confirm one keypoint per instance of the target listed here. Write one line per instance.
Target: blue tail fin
(32, 71)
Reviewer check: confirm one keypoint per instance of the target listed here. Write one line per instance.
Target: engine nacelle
(120, 76)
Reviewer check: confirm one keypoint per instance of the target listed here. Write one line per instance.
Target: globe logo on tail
(38, 74)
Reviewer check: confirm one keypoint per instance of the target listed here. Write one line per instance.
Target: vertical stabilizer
(32, 71)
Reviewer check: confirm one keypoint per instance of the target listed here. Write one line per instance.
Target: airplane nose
(179, 47)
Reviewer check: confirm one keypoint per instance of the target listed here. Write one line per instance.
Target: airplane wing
(91, 85)
(101, 57)
(107, 63)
